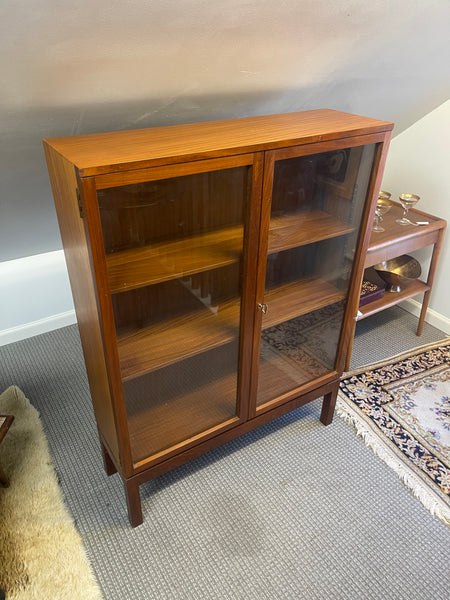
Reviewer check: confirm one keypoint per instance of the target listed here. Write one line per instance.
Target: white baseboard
(22, 332)
(35, 296)
(432, 317)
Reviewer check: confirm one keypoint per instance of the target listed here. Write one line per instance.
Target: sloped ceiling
(98, 65)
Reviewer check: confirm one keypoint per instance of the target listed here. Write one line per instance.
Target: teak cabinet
(213, 269)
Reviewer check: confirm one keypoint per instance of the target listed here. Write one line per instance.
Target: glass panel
(174, 260)
(317, 205)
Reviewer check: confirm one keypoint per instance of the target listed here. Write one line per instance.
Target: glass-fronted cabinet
(215, 270)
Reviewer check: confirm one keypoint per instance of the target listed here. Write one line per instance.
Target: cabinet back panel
(151, 212)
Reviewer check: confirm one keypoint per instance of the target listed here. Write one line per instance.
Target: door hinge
(80, 205)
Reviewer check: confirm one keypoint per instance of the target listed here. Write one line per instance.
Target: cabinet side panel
(64, 184)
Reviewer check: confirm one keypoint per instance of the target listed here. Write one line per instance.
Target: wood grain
(76, 250)
(168, 406)
(154, 263)
(301, 228)
(95, 154)
(298, 298)
(176, 339)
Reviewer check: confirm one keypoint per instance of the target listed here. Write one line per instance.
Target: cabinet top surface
(95, 154)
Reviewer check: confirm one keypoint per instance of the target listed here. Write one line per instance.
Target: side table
(394, 241)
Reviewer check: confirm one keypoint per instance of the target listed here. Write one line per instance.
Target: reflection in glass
(174, 258)
(383, 206)
(316, 211)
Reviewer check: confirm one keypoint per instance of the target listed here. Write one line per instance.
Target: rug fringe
(428, 499)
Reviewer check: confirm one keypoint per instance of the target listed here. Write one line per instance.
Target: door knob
(263, 308)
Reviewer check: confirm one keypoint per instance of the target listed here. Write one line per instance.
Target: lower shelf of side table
(389, 299)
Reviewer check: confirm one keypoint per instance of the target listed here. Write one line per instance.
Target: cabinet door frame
(88, 188)
(271, 156)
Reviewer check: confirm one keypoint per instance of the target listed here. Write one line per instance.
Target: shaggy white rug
(41, 553)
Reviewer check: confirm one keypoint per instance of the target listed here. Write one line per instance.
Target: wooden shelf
(170, 341)
(138, 267)
(278, 375)
(299, 229)
(186, 383)
(391, 298)
(147, 265)
(173, 340)
(192, 396)
(295, 299)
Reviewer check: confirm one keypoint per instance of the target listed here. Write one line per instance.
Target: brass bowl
(397, 272)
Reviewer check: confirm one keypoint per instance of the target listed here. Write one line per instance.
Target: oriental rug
(41, 553)
(401, 409)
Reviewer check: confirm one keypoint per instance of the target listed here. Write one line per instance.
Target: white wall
(419, 162)
(35, 296)
(100, 65)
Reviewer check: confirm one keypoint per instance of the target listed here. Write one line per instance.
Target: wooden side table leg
(431, 273)
(133, 502)
(423, 312)
(328, 406)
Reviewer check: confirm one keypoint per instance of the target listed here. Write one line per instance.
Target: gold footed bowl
(398, 272)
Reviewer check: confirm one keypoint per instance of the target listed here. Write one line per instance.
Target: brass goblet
(383, 205)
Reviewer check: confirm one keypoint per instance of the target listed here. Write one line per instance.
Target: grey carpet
(294, 510)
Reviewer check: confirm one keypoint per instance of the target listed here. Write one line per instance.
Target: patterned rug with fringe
(401, 409)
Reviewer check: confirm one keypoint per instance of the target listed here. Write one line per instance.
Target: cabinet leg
(110, 467)
(328, 406)
(133, 502)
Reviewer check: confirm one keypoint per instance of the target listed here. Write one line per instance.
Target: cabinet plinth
(213, 269)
